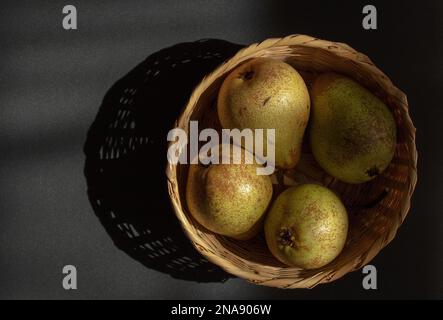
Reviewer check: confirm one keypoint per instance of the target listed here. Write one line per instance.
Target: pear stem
(280, 176)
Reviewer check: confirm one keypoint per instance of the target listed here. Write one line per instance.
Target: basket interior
(375, 208)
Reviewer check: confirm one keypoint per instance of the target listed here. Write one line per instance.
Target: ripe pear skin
(228, 199)
(352, 132)
(306, 226)
(265, 93)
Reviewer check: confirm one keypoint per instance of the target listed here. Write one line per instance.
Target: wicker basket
(376, 209)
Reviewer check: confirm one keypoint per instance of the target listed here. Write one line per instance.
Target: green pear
(306, 226)
(264, 93)
(352, 132)
(229, 199)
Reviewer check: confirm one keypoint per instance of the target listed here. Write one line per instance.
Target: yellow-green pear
(352, 132)
(229, 199)
(265, 93)
(306, 226)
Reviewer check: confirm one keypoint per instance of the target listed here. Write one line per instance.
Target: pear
(229, 199)
(306, 226)
(352, 132)
(264, 93)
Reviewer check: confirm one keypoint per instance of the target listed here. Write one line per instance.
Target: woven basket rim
(254, 50)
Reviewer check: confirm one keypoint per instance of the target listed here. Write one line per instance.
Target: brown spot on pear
(265, 93)
(306, 226)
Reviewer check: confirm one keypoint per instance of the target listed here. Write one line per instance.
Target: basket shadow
(126, 155)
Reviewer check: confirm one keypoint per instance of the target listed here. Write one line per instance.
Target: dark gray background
(52, 83)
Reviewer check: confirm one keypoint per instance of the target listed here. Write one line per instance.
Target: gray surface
(52, 82)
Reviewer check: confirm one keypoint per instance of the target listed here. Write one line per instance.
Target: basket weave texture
(376, 208)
